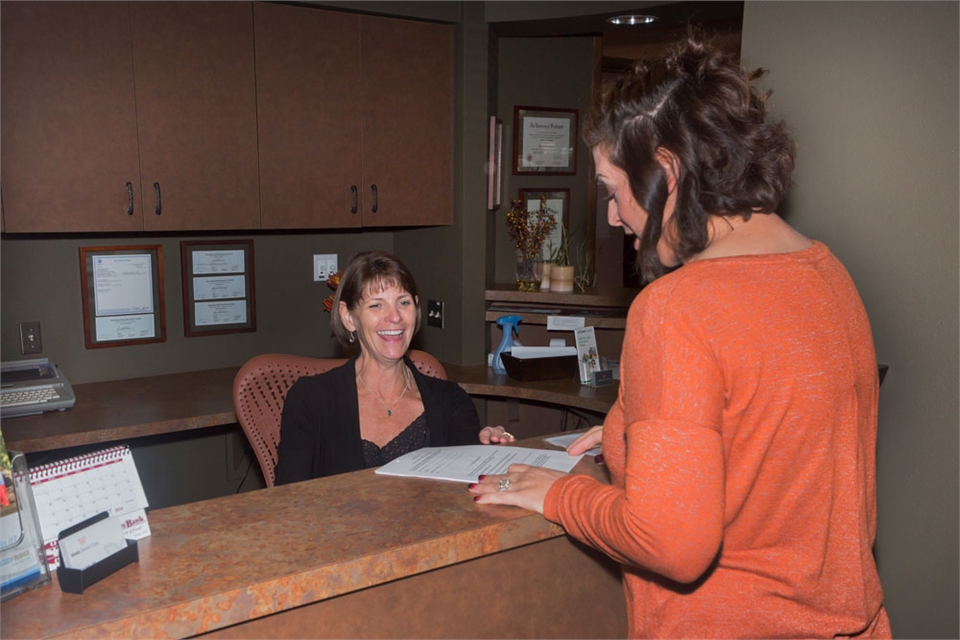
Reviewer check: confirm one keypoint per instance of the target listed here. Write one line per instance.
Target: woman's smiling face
(385, 320)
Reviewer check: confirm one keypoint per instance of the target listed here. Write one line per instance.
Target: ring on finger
(504, 484)
(506, 434)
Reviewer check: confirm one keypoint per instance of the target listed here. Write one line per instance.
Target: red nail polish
(471, 485)
(475, 498)
(481, 477)
(599, 458)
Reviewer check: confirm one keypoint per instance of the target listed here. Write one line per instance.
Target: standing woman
(377, 406)
(742, 445)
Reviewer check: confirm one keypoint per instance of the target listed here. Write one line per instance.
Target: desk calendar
(72, 490)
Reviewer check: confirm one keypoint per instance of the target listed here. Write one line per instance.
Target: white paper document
(525, 353)
(566, 440)
(466, 463)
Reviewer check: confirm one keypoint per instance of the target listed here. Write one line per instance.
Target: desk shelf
(604, 309)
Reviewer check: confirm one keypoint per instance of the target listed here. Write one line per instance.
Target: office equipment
(29, 387)
(547, 368)
(73, 490)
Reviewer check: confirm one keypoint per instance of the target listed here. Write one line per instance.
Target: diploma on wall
(465, 463)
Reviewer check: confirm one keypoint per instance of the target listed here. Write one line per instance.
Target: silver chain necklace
(376, 395)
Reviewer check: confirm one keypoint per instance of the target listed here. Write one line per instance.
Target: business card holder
(76, 580)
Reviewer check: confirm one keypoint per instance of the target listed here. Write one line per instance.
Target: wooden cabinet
(355, 119)
(197, 114)
(105, 104)
(68, 118)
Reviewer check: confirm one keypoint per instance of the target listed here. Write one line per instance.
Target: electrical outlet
(30, 341)
(324, 266)
(435, 314)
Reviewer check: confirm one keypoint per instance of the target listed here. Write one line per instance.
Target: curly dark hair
(698, 103)
(367, 270)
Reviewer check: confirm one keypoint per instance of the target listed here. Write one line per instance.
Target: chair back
(261, 386)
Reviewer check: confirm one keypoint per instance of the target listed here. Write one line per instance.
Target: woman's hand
(587, 441)
(495, 435)
(522, 486)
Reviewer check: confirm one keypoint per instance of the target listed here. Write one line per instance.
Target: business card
(92, 544)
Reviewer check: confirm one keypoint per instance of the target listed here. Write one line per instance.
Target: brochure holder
(76, 580)
(23, 564)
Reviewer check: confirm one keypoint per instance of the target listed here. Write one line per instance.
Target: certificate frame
(219, 287)
(123, 275)
(494, 163)
(558, 204)
(544, 141)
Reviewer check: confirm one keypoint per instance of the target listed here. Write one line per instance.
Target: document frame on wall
(123, 296)
(219, 289)
(544, 141)
(494, 163)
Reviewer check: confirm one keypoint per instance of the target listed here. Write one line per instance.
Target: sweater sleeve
(664, 511)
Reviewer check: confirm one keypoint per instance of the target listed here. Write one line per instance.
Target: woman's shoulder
(437, 384)
(326, 379)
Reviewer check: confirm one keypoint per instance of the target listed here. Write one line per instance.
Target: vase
(561, 278)
(545, 277)
(529, 271)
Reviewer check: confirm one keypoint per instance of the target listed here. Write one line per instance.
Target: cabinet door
(308, 115)
(196, 113)
(407, 69)
(67, 118)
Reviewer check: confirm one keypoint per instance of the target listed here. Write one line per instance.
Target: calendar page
(70, 491)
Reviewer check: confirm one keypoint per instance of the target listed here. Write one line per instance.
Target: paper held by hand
(466, 463)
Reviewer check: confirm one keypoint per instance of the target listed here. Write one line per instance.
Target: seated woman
(377, 406)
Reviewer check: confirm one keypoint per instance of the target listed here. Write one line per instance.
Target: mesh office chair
(261, 386)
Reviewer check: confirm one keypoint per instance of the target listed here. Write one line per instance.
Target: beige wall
(870, 89)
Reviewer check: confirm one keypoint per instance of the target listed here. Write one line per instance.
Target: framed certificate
(122, 290)
(219, 295)
(544, 141)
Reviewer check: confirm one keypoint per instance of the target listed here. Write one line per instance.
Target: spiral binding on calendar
(70, 465)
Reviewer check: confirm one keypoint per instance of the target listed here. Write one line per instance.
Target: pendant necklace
(376, 395)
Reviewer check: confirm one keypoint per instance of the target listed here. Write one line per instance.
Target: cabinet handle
(156, 187)
(129, 199)
(353, 190)
(376, 198)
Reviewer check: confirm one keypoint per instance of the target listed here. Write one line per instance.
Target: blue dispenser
(509, 326)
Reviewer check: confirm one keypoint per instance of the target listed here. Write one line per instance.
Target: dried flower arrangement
(333, 282)
(529, 230)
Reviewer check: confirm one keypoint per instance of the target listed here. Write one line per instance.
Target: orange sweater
(742, 455)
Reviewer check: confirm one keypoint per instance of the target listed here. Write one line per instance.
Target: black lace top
(416, 436)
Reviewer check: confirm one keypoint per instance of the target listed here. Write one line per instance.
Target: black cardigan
(320, 427)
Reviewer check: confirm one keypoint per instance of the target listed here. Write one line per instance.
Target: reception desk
(355, 555)
(120, 410)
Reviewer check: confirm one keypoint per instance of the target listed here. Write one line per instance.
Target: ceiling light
(632, 19)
